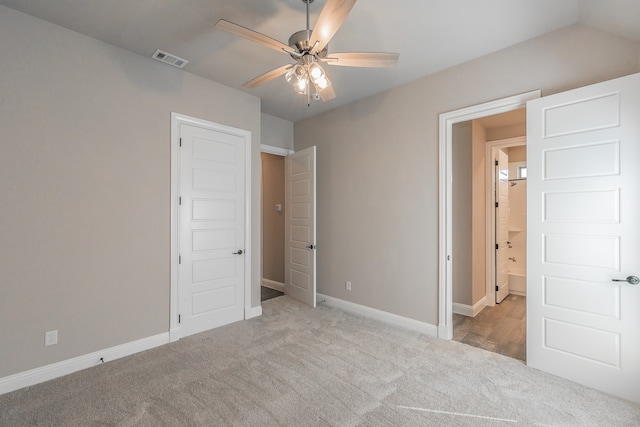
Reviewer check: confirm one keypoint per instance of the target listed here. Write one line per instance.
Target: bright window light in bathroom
(522, 172)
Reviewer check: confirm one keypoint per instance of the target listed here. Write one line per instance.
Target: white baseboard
(251, 312)
(272, 284)
(468, 310)
(69, 366)
(382, 316)
(445, 332)
(520, 293)
(174, 334)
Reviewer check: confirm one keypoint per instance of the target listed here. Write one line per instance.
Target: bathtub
(518, 282)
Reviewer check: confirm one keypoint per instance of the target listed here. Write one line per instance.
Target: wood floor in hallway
(268, 293)
(499, 329)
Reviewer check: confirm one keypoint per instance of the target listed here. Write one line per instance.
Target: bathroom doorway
(479, 319)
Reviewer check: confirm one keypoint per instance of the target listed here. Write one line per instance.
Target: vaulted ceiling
(429, 35)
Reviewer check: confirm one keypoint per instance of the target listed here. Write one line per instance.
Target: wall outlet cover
(51, 338)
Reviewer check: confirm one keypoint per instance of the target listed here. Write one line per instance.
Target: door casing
(445, 200)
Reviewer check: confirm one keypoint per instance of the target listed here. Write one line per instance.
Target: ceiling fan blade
(327, 94)
(251, 35)
(268, 76)
(362, 59)
(331, 18)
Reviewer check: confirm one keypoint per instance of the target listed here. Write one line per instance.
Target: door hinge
(179, 318)
(497, 289)
(496, 160)
(179, 201)
(181, 144)
(497, 247)
(180, 258)
(496, 204)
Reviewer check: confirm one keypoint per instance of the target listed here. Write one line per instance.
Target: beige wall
(517, 154)
(504, 132)
(378, 164)
(85, 189)
(461, 215)
(478, 211)
(272, 221)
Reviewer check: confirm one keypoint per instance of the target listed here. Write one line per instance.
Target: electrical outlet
(51, 338)
(348, 285)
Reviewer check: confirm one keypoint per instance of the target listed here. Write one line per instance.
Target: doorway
(272, 207)
(446, 244)
(299, 215)
(486, 153)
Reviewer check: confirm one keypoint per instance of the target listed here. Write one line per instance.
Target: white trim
(176, 120)
(491, 148)
(470, 310)
(69, 366)
(251, 312)
(247, 218)
(382, 316)
(272, 284)
(278, 151)
(446, 122)
(443, 331)
(174, 328)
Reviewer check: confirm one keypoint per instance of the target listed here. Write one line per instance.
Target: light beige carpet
(298, 366)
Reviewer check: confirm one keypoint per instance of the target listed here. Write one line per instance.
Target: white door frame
(490, 226)
(176, 120)
(445, 220)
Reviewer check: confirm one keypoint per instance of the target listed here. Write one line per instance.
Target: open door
(300, 226)
(502, 225)
(583, 257)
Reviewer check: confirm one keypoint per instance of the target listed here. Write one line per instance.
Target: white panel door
(502, 226)
(583, 155)
(211, 228)
(300, 226)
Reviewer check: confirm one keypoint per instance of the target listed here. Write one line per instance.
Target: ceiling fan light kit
(309, 48)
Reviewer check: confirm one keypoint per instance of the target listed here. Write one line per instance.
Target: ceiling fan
(309, 48)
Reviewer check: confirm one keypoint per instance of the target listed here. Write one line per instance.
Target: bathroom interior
(517, 249)
(478, 320)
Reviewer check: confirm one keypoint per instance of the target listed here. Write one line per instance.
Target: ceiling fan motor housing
(300, 42)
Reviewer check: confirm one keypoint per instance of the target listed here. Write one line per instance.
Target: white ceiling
(430, 35)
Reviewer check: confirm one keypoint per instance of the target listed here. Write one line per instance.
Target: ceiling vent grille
(170, 59)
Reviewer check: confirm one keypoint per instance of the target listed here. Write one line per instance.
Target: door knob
(238, 253)
(311, 246)
(630, 279)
